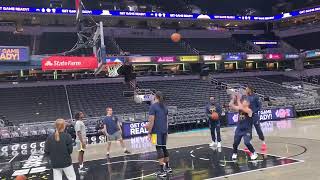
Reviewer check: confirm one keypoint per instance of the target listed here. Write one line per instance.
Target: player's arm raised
(232, 104)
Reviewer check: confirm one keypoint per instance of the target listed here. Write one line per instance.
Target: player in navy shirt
(158, 132)
(244, 125)
(255, 105)
(211, 107)
(112, 130)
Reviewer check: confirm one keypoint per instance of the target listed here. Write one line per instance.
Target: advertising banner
(165, 59)
(266, 115)
(292, 56)
(212, 57)
(274, 56)
(189, 58)
(134, 129)
(14, 54)
(114, 60)
(310, 54)
(139, 59)
(232, 57)
(69, 63)
(254, 56)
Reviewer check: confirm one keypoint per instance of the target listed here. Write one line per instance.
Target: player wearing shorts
(255, 105)
(244, 125)
(112, 130)
(158, 133)
(81, 138)
(214, 124)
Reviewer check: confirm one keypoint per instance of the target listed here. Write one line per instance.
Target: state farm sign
(69, 63)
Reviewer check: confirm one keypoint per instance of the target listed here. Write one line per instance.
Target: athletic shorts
(79, 146)
(159, 139)
(115, 136)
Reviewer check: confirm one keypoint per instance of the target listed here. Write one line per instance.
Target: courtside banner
(14, 54)
(314, 53)
(139, 59)
(165, 59)
(266, 115)
(189, 58)
(69, 63)
(274, 56)
(254, 56)
(131, 129)
(212, 57)
(292, 56)
(233, 57)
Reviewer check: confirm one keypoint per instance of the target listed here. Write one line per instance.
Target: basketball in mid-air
(214, 116)
(176, 37)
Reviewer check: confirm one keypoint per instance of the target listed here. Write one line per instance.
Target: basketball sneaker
(83, 169)
(234, 156)
(169, 170)
(219, 145)
(254, 156)
(263, 147)
(212, 144)
(161, 174)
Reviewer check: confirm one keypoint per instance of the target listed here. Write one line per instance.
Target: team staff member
(112, 130)
(59, 148)
(244, 125)
(214, 125)
(81, 137)
(255, 105)
(158, 133)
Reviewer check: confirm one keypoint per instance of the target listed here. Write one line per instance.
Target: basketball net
(112, 69)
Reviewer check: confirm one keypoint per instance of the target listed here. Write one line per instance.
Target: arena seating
(56, 42)
(187, 93)
(263, 87)
(151, 46)
(298, 41)
(213, 45)
(94, 98)
(46, 103)
(34, 104)
(110, 47)
(10, 39)
(279, 78)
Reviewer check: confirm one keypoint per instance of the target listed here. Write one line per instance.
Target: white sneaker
(254, 156)
(234, 156)
(219, 145)
(212, 144)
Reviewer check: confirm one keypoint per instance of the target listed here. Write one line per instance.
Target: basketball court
(291, 154)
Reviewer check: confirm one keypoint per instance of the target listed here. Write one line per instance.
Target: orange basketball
(214, 116)
(21, 177)
(176, 37)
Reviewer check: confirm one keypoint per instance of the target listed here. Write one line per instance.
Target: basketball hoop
(112, 69)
